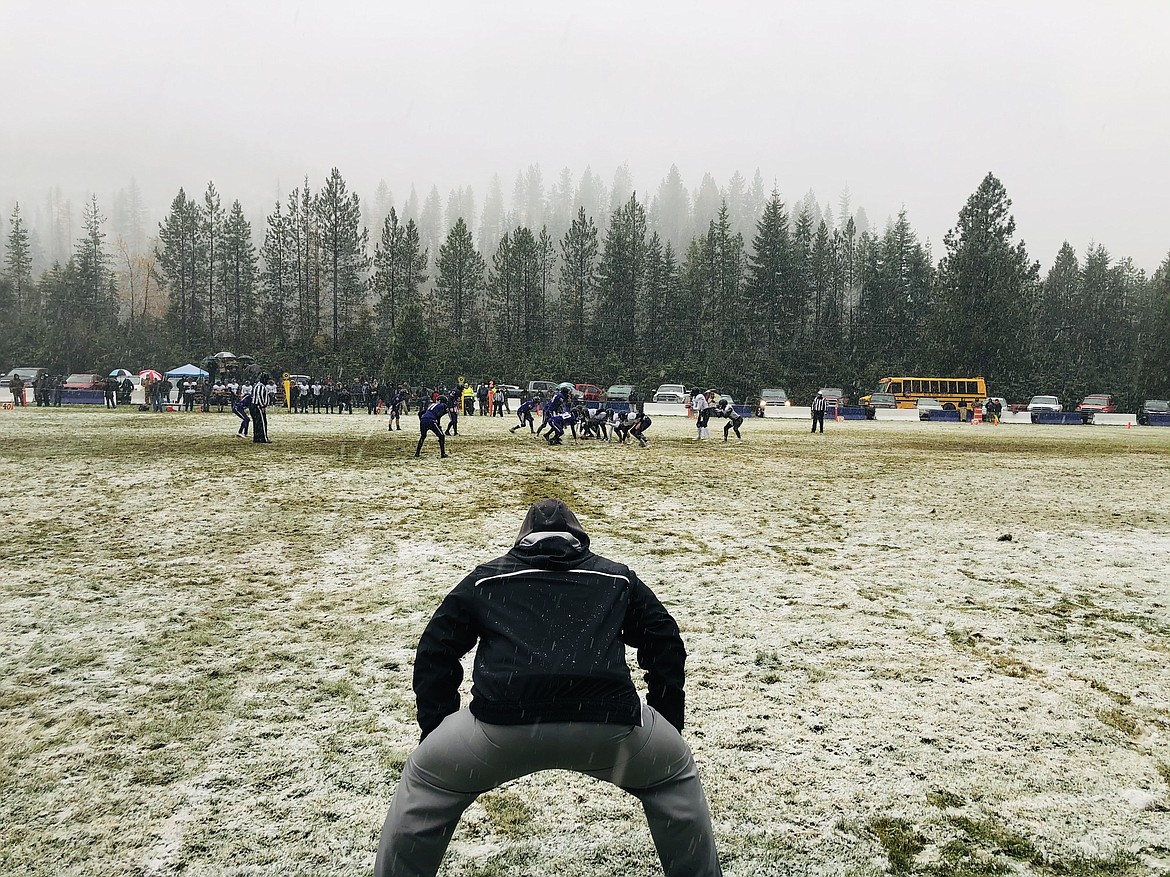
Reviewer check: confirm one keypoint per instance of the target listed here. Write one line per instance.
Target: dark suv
(1157, 409)
(27, 376)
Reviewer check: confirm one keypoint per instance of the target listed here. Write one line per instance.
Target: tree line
(762, 295)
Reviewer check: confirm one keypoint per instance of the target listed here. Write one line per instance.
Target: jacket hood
(551, 531)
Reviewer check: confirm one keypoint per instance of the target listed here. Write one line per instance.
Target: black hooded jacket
(552, 621)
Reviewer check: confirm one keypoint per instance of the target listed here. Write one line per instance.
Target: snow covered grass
(207, 644)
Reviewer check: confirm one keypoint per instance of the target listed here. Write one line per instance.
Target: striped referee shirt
(262, 395)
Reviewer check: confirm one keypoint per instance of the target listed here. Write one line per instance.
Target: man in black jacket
(550, 690)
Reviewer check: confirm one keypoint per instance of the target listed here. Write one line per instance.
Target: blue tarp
(187, 371)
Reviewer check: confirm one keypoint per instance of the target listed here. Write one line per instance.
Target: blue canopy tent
(187, 371)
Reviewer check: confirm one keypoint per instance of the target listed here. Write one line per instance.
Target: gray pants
(464, 757)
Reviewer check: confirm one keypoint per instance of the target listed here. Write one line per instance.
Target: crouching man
(550, 690)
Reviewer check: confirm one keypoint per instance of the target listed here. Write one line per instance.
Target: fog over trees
(727, 284)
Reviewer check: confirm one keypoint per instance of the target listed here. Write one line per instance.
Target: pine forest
(726, 286)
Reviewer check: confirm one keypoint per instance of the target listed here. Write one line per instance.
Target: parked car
(622, 393)
(591, 392)
(539, 388)
(874, 401)
(27, 375)
(775, 397)
(85, 381)
(833, 396)
(1045, 403)
(1098, 403)
(925, 405)
(671, 393)
(1152, 406)
(510, 390)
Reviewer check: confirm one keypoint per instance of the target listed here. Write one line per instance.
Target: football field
(934, 649)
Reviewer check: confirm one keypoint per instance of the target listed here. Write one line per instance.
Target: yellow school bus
(952, 393)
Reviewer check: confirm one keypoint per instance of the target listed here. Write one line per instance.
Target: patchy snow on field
(208, 644)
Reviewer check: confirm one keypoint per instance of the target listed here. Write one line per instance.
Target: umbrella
(121, 373)
(566, 385)
(150, 374)
(223, 354)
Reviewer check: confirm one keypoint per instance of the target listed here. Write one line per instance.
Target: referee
(261, 399)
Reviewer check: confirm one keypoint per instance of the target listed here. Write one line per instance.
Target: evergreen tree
(757, 197)
(802, 240)
(177, 267)
(514, 292)
(662, 321)
(591, 195)
(896, 277)
(459, 281)
(714, 272)
(621, 279)
(533, 205)
(559, 210)
(130, 217)
(383, 201)
(578, 276)
(735, 195)
(277, 276)
(430, 222)
(1152, 338)
(622, 188)
(343, 249)
(861, 220)
(773, 288)
(672, 210)
(239, 279)
(502, 296)
(493, 222)
(985, 294)
(211, 242)
(93, 266)
(707, 202)
(411, 209)
(59, 221)
(18, 261)
(826, 320)
(400, 269)
(546, 259)
(1056, 325)
(410, 349)
(305, 265)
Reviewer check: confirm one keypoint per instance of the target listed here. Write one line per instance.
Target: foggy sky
(906, 103)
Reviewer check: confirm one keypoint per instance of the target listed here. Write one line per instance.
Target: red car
(1099, 402)
(590, 392)
(84, 381)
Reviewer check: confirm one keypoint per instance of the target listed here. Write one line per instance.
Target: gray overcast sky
(907, 103)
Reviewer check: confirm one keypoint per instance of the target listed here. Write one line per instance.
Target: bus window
(951, 387)
(973, 388)
(895, 387)
(915, 386)
(934, 388)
